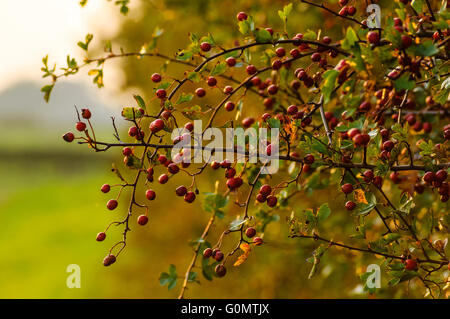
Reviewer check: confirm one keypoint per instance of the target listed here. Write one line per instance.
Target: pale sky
(30, 29)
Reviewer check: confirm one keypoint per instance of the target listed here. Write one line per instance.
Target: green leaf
(131, 113)
(262, 36)
(219, 68)
(329, 77)
(140, 101)
(404, 83)
(193, 76)
(425, 49)
(47, 89)
(192, 112)
(184, 55)
(214, 202)
(324, 212)
(185, 97)
(274, 123)
(417, 5)
(350, 39)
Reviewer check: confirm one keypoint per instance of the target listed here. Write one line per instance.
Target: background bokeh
(50, 204)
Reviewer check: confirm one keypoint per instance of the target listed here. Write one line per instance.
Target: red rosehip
(265, 190)
(68, 137)
(173, 168)
(350, 205)
(189, 197)
(230, 172)
(220, 270)
(272, 201)
(101, 236)
(156, 77)
(230, 61)
(251, 69)
(207, 253)
(248, 121)
(406, 41)
(315, 57)
(343, 2)
(351, 10)
(127, 151)
(161, 93)
(427, 127)
(234, 183)
(250, 232)
(364, 106)
(441, 175)
(205, 46)
(150, 194)
(373, 37)
(162, 159)
(229, 106)
(258, 241)
(211, 81)
(86, 114)
(277, 64)
(189, 126)
(292, 109)
(218, 255)
(270, 30)
(156, 126)
(378, 181)
(80, 126)
(410, 264)
(111, 204)
(133, 131)
(295, 53)
(388, 145)
(353, 132)
(142, 220)
(384, 133)
(347, 188)
(166, 114)
(395, 177)
(163, 179)
(228, 89)
(225, 164)
(200, 92)
(280, 52)
(109, 260)
(368, 176)
(343, 11)
(181, 190)
(261, 198)
(215, 165)
(105, 188)
(272, 89)
(241, 16)
(429, 177)
(308, 159)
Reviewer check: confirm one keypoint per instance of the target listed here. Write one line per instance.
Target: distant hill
(23, 105)
(28, 123)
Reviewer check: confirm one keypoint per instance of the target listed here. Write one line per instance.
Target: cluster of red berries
(233, 181)
(436, 180)
(346, 10)
(265, 195)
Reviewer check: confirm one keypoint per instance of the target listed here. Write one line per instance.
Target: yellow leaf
(360, 197)
(246, 249)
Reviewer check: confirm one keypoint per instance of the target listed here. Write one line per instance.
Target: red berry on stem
(86, 114)
(229, 106)
(127, 151)
(156, 77)
(241, 16)
(163, 179)
(80, 126)
(350, 205)
(272, 201)
(189, 197)
(101, 236)
(111, 204)
(150, 194)
(373, 37)
(250, 232)
(308, 159)
(142, 220)
(161, 93)
(109, 260)
(347, 188)
(156, 126)
(258, 241)
(265, 190)
(200, 92)
(105, 188)
(207, 253)
(280, 52)
(410, 264)
(205, 46)
(181, 190)
(68, 137)
(211, 81)
(230, 61)
(220, 270)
